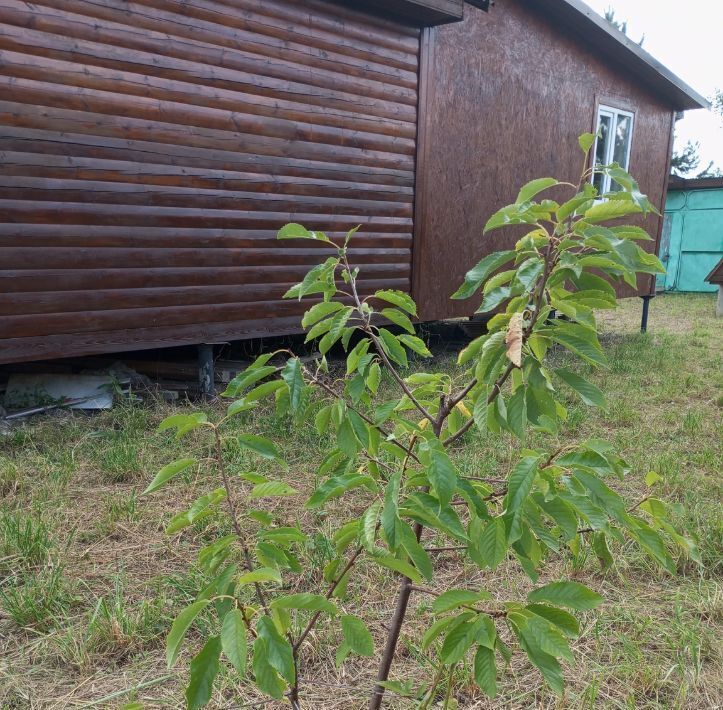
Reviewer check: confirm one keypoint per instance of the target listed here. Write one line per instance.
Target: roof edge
(609, 39)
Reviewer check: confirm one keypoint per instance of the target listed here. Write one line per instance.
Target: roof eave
(643, 66)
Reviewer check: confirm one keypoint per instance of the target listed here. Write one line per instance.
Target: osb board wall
(507, 95)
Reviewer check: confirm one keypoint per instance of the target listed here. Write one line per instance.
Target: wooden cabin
(150, 150)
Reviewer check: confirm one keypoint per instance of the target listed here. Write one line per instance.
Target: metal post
(646, 308)
(205, 370)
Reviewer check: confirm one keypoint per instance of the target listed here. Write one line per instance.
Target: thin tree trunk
(400, 611)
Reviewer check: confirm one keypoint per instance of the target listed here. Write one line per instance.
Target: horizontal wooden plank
(210, 44)
(326, 30)
(273, 136)
(90, 192)
(99, 236)
(27, 211)
(73, 168)
(39, 115)
(47, 347)
(46, 142)
(88, 321)
(91, 257)
(124, 298)
(385, 101)
(191, 89)
(37, 280)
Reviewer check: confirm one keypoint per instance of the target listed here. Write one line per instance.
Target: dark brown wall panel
(507, 95)
(150, 150)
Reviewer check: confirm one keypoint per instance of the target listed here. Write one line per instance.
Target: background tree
(621, 25)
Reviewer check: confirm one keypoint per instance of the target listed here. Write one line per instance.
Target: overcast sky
(688, 38)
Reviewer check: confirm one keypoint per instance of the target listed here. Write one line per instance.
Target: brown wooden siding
(507, 95)
(149, 151)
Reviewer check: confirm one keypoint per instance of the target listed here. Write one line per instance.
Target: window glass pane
(622, 142)
(602, 148)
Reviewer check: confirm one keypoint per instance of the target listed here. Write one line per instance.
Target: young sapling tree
(396, 451)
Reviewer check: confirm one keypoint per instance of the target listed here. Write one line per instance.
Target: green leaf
(415, 344)
(233, 640)
(520, 483)
(577, 338)
(183, 423)
(517, 412)
(204, 669)
(357, 636)
(336, 330)
(267, 679)
(304, 601)
(494, 298)
(368, 525)
(397, 565)
(601, 550)
(168, 472)
(178, 630)
(278, 649)
(263, 390)
(651, 478)
(476, 276)
(442, 475)
(652, 543)
(440, 626)
(322, 419)
(564, 621)
(546, 663)
(297, 231)
(562, 513)
(292, 375)
(197, 511)
(457, 642)
(485, 671)
(407, 540)
(398, 318)
(374, 377)
(261, 574)
(337, 486)
(319, 312)
(346, 438)
(492, 544)
(390, 512)
(527, 274)
(587, 141)
(455, 598)
(272, 489)
(399, 299)
(356, 355)
(534, 187)
(610, 209)
(250, 376)
(361, 430)
(392, 348)
(589, 394)
(259, 445)
(569, 594)
(512, 214)
(240, 406)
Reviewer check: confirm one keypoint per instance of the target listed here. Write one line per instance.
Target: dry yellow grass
(654, 644)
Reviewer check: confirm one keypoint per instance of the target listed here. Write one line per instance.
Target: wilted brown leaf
(514, 339)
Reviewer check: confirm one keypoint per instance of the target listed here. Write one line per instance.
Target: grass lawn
(89, 582)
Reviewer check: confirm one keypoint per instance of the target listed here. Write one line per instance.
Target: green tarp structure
(692, 240)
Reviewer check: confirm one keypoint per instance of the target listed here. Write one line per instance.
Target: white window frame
(614, 114)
